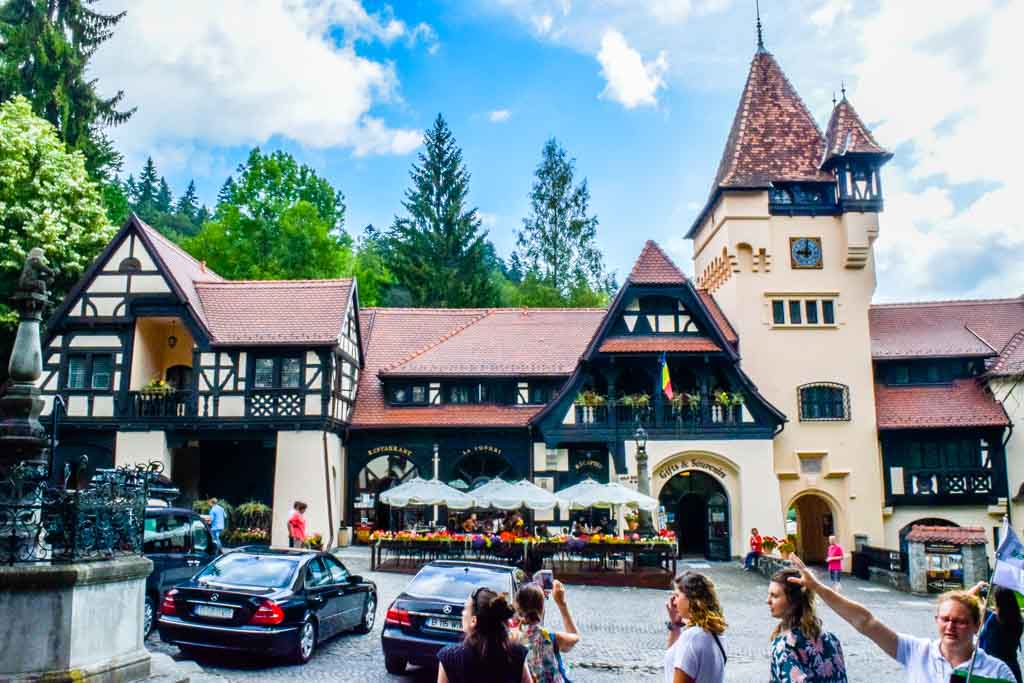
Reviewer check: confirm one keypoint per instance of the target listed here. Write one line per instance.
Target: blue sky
(642, 94)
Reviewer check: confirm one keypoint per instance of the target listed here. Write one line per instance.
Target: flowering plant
(157, 387)
(315, 541)
(769, 543)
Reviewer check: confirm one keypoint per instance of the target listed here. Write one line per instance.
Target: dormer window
(407, 394)
(130, 265)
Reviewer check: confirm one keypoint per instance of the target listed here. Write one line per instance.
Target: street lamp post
(643, 480)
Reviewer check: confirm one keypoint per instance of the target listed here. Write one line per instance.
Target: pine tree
(438, 251)
(225, 195)
(147, 188)
(164, 197)
(45, 48)
(202, 216)
(188, 204)
(131, 190)
(557, 241)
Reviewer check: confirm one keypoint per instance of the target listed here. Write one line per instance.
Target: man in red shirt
(297, 525)
(750, 562)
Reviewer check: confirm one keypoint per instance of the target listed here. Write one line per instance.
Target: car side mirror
(354, 578)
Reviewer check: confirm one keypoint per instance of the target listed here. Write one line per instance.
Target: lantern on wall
(172, 341)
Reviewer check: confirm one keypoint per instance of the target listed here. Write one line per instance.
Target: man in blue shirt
(216, 520)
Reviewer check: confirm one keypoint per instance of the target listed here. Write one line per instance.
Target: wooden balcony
(612, 421)
(951, 486)
(146, 404)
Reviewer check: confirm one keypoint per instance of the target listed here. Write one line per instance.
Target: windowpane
(76, 372)
(794, 313)
(419, 394)
(459, 394)
(812, 312)
(778, 313)
(828, 314)
(538, 394)
(900, 375)
(291, 373)
(399, 395)
(101, 368)
(484, 393)
(823, 403)
(263, 375)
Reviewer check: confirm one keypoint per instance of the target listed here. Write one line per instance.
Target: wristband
(673, 626)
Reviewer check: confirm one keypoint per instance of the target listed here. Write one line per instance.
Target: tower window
(778, 313)
(803, 312)
(824, 401)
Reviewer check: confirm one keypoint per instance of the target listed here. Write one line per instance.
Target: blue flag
(1009, 571)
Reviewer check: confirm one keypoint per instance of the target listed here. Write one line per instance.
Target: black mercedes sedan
(428, 614)
(280, 602)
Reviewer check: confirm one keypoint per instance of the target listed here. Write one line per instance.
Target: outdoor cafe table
(529, 553)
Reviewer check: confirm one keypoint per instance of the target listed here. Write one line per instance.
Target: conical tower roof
(847, 134)
(654, 267)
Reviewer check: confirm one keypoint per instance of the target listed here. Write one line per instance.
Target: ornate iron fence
(57, 523)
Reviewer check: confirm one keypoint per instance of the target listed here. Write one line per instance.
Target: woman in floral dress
(801, 652)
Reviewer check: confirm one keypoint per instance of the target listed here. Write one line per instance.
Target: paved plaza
(622, 629)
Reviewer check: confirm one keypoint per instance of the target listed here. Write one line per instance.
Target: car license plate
(444, 624)
(214, 612)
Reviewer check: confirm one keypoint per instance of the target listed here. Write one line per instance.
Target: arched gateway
(697, 507)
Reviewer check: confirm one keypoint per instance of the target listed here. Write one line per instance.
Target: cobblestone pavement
(622, 629)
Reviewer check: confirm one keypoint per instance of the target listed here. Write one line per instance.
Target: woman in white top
(695, 623)
(957, 618)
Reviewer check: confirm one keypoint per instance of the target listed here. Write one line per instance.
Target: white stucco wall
(299, 475)
(745, 467)
(1010, 393)
(131, 448)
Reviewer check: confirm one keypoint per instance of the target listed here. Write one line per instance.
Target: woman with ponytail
(801, 652)
(486, 653)
(695, 623)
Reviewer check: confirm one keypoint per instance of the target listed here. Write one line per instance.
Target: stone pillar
(74, 622)
(918, 567)
(975, 560)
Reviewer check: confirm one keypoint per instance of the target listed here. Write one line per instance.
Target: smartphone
(545, 578)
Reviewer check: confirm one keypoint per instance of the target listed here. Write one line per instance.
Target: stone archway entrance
(379, 475)
(815, 522)
(697, 509)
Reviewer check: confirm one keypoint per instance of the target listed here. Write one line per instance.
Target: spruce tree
(131, 190)
(164, 198)
(147, 188)
(438, 251)
(557, 242)
(188, 204)
(45, 48)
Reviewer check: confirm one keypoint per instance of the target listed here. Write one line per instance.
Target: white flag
(1009, 571)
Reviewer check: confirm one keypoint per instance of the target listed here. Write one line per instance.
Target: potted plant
(632, 519)
(636, 400)
(768, 544)
(315, 541)
(786, 549)
(589, 398)
(157, 387)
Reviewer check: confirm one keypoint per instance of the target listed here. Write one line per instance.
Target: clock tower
(785, 245)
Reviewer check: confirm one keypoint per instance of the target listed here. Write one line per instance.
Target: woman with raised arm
(957, 620)
(695, 623)
(544, 647)
(801, 651)
(485, 653)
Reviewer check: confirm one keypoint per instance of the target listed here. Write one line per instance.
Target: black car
(428, 614)
(279, 602)
(179, 543)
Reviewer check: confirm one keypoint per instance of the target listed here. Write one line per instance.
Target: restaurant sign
(494, 450)
(666, 472)
(389, 450)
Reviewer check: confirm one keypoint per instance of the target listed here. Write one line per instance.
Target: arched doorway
(815, 522)
(480, 466)
(697, 509)
(379, 475)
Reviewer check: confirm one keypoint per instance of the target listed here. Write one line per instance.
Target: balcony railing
(668, 416)
(960, 485)
(161, 405)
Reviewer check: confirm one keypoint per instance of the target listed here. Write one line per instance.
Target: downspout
(327, 487)
(1006, 464)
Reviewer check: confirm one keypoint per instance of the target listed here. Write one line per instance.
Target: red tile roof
(951, 328)
(846, 133)
(723, 323)
(654, 267)
(963, 403)
(438, 342)
(505, 343)
(309, 312)
(656, 344)
(957, 535)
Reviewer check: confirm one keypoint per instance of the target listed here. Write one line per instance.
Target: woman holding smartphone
(544, 647)
(695, 623)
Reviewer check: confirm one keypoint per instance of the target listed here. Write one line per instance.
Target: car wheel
(369, 614)
(305, 642)
(394, 665)
(148, 616)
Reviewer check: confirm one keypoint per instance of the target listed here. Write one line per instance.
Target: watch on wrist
(673, 626)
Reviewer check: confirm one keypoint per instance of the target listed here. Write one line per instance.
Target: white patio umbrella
(483, 493)
(589, 493)
(523, 494)
(427, 492)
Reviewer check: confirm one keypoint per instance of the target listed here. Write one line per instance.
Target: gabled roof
(654, 267)
(773, 137)
(275, 312)
(716, 312)
(962, 403)
(847, 134)
(657, 344)
(957, 535)
(936, 329)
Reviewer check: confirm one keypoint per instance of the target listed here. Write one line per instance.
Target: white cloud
(488, 220)
(239, 73)
(825, 16)
(543, 23)
(630, 81)
(499, 115)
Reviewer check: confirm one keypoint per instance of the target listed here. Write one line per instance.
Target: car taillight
(268, 613)
(167, 607)
(398, 617)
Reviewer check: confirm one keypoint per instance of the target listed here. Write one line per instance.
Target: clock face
(805, 252)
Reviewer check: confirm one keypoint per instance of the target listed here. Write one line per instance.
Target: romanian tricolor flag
(666, 380)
